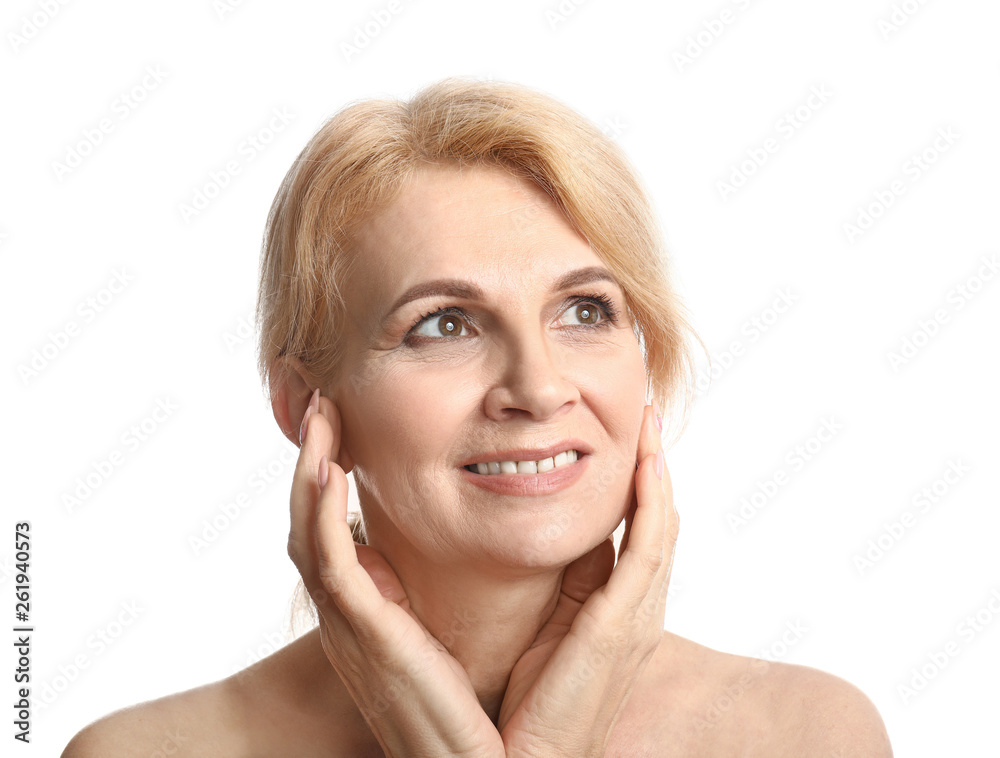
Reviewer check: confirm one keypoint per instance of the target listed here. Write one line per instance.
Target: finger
(643, 557)
(646, 444)
(629, 518)
(641, 451)
(351, 582)
(382, 575)
(671, 526)
(329, 411)
(338, 570)
(322, 431)
(302, 501)
(651, 487)
(654, 535)
(589, 572)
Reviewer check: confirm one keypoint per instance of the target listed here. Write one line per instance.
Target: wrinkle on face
(411, 412)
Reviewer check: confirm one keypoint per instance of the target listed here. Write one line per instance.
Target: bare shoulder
(696, 701)
(277, 706)
(196, 722)
(821, 714)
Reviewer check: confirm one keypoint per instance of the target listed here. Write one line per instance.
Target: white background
(177, 333)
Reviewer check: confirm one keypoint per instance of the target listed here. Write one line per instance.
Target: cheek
(401, 418)
(399, 426)
(615, 389)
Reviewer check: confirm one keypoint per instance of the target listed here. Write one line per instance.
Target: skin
(493, 605)
(528, 365)
(530, 375)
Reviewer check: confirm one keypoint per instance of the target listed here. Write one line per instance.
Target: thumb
(582, 577)
(587, 573)
(381, 572)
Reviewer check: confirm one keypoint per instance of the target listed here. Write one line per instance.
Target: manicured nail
(323, 472)
(310, 409)
(659, 464)
(302, 426)
(659, 417)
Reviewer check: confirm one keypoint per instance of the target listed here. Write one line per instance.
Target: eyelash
(608, 311)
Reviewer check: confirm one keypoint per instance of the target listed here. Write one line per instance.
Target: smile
(507, 468)
(527, 477)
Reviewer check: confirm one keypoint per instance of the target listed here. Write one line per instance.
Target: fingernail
(659, 464)
(323, 472)
(659, 417)
(313, 407)
(302, 426)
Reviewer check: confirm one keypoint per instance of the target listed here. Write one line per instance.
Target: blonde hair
(356, 163)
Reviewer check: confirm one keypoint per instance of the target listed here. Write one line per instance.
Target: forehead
(481, 224)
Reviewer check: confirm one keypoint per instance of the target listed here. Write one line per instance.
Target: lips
(536, 484)
(506, 468)
(529, 453)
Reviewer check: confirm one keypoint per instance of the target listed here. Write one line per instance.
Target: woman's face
(483, 328)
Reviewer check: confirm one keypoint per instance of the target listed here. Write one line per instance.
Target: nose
(532, 381)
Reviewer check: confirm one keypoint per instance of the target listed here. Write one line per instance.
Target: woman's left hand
(567, 690)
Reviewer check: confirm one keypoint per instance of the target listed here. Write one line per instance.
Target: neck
(485, 621)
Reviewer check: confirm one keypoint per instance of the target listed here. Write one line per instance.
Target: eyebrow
(469, 291)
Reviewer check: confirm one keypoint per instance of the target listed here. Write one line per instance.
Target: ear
(290, 398)
(290, 395)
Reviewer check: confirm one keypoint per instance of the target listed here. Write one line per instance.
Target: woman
(463, 302)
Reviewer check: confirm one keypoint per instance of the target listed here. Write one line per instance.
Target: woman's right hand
(416, 698)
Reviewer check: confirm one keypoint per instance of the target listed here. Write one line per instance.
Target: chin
(557, 542)
(551, 524)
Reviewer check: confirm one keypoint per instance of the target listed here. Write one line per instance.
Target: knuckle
(647, 609)
(651, 561)
(673, 531)
(332, 583)
(319, 596)
(672, 528)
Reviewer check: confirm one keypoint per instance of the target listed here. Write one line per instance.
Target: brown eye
(441, 324)
(450, 325)
(587, 313)
(596, 311)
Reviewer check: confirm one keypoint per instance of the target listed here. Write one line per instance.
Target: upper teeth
(525, 467)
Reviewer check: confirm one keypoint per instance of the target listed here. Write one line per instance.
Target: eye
(592, 310)
(446, 322)
(586, 313)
